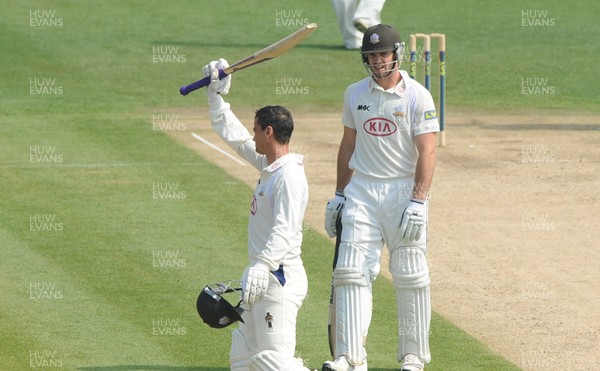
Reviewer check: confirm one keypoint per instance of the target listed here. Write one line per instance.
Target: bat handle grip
(185, 90)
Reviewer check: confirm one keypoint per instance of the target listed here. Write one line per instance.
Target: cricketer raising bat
(270, 52)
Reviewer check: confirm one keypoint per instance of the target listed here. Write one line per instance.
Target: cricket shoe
(342, 364)
(411, 362)
(360, 24)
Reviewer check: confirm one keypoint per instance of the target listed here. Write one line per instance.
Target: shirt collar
(283, 160)
(398, 89)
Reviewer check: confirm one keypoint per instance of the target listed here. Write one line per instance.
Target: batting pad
(411, 282)
(353, 304)
(239, 355)
(265, 361)
(270, 360)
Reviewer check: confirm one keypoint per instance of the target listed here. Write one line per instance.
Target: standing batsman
(274, 284)
(385, 168)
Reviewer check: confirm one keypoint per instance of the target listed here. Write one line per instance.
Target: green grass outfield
(85, 228)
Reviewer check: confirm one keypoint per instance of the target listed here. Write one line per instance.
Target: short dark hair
(279, 118)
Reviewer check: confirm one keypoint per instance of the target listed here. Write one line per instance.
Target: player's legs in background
(367, 14)
(344, 12)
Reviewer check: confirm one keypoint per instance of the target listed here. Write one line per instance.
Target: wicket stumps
(427, 62)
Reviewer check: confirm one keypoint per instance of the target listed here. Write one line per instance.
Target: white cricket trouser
(271, 324)
(346, 11)
(371, 219)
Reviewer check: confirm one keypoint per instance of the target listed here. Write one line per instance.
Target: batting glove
(216, 86)
(333, 212)
(413, 220)
(255, 282)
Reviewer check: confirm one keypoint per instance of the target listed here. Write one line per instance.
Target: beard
(383, 70)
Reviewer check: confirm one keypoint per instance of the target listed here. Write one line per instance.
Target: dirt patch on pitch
(514, 231)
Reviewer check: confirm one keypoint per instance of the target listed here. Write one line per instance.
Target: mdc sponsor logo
(380, 127)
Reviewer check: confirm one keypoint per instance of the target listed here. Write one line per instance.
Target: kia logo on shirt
(380, 127)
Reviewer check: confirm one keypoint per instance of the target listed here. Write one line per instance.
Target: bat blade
(331, 319)
(272, 51)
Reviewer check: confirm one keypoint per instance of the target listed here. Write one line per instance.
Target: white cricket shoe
(411, 362)
(342, 364)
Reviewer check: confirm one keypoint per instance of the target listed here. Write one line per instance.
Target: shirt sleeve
(347, 117)
(289, 196)
(229, 128)
(424, 114)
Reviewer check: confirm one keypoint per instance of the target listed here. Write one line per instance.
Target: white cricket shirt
(280, 197)
(386, 122)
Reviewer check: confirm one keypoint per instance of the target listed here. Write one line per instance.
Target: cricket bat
(331, 317)
(272, 51)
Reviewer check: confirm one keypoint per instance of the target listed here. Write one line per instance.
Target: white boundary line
(218, 149)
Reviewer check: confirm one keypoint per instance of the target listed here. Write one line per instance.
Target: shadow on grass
(150, 368)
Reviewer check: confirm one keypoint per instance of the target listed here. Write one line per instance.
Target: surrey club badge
(374, 38)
